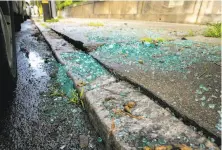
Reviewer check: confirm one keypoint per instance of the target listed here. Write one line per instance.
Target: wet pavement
(185, 74)
(37, 118)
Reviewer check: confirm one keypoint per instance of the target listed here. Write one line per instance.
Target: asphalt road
(36, 119)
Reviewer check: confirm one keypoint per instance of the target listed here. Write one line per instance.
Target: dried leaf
(166, 147)
(140, 61)
(127, 109)
(146, 148)
(113, 126)
(131, 104)
(184, 147)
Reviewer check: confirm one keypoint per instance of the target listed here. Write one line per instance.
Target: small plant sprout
(81, 96)
(77, 98)
(74, 97)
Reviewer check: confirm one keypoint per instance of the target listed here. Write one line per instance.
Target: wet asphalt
(36, 119)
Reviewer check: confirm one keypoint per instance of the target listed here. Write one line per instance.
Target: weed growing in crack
(77, 98)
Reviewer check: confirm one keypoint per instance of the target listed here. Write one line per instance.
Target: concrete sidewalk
(184, 74)
(102, 86)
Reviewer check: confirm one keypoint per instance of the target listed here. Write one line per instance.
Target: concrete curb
(95, 119)
(168, 126)
(188, 120)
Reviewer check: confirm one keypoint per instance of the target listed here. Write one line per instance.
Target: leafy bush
(64, 3)
(213, 30)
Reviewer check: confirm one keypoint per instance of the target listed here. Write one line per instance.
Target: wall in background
(182, 11)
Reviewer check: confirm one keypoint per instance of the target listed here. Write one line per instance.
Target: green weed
(213, 30)
(95, 24)
(60, 17)
(44, 25)
(81, 97)
(52, 20)
(150, 40)
(56, 92)
(160, 39)
(146, 39)
(76, 98)
(190, 33)
(64, 3)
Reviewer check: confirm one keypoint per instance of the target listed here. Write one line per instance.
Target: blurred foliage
(64, 3)
(40, 9)
(44, 25)
(190, 33)
(60, 17)
(150, 40)
(39, 5)
(146, 39)
(52, 20)
(213, 30)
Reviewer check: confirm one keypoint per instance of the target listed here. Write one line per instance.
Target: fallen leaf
(167, 147)
(113, 126)
(127, 109)
(140, 61)
(131, 104)
(146, 148)
(184, 147)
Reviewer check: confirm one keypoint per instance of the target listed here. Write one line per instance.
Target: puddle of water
(36, 62)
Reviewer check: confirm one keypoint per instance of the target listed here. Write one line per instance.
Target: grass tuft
(150, 40)
(213, 30)
(60, 17)
(52, 20)
(95, 24)
(190, 33)
(76, 98)
(44, 25)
